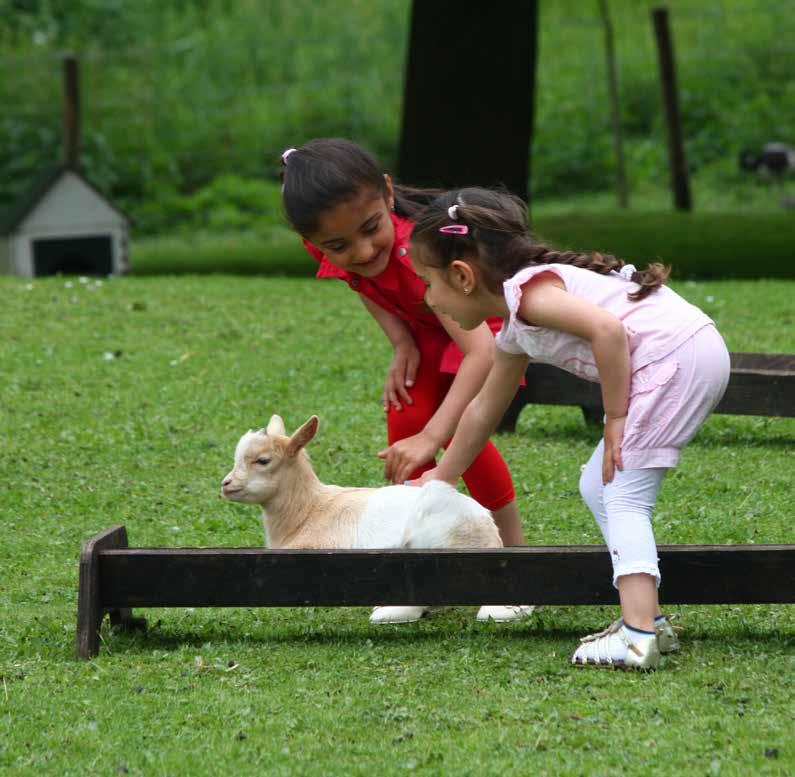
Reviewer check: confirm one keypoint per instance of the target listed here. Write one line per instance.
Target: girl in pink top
(660, 361)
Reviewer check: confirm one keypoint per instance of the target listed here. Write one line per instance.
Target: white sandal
(595, 650)
(667, 639)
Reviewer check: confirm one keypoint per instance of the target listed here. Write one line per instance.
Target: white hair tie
(627, 271)
(287, 154)
(452, 212)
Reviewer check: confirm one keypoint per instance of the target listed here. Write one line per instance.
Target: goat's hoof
(398, 614)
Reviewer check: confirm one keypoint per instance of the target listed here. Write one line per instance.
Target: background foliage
(179, 93)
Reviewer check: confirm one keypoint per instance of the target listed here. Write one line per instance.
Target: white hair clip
(287, 154)
(627, 271)
(452, 212)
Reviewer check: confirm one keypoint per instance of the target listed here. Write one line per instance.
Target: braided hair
(498, 237)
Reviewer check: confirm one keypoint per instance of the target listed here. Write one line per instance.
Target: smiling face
(358, 235)
(453, 291)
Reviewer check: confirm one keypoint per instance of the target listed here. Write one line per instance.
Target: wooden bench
(115, 578)
(760, 384)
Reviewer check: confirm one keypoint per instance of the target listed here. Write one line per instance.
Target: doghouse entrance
(73, 256)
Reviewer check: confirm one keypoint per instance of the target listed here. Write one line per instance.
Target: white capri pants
(669, 400)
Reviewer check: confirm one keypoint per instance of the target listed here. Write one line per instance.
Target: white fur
(301, 512)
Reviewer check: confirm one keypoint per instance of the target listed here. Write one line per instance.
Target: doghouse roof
(11, 218)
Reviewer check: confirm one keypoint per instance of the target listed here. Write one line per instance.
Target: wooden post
(676, 148)
(71, 112)
(90, 609)
(615, 108)
(468, 105)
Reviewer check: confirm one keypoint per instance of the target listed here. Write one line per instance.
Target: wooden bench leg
(509, 420)
(594, 416)
(122, 620)
(89, 600)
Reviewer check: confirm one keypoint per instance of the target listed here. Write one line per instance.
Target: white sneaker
(502, 613)
(398, 614)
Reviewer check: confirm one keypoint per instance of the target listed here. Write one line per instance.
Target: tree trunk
(469, 93)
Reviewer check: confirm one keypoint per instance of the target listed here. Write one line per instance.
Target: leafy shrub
(178, 94)
(227, 204)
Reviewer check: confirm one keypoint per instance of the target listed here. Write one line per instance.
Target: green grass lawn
(122, 401)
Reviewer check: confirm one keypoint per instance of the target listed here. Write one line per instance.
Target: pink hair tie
(455, 229)
(286, 154)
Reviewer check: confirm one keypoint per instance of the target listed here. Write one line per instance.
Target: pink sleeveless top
(656, 325)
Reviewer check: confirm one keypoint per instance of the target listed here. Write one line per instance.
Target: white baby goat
(272, 470)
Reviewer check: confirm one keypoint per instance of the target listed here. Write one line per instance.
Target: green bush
(228, 203)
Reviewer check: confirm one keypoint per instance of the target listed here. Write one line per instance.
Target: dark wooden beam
(115, 578)
(760, 384)
(252, 577)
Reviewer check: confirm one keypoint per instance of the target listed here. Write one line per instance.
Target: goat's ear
(302, 436)
(276, 426)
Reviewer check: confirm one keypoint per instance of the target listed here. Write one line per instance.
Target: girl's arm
(403, 367)
(481, 417)
(477, 345)
(545, 302)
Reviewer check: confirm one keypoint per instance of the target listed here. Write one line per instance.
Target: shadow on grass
(164, 637)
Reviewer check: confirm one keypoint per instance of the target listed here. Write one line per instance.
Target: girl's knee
(408, 421)
(591, 490)
(633, 490)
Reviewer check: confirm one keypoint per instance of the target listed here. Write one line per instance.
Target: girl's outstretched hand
(400, 375)
(426, 477)
(614, 434)
(405, 456)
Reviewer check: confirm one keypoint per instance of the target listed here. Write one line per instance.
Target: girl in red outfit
(356, 223)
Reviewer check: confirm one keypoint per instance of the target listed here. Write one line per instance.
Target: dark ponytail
(654, 276)
(499, 239)
(326, 172)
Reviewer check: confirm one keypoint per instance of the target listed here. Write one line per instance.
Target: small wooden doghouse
(63, 224)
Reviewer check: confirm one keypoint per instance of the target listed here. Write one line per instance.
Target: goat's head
(263, 459)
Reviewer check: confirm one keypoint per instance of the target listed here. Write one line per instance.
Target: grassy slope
(705, 245)
(702, 245)
(143, 439)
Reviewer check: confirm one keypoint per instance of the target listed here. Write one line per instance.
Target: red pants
(487, 479)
